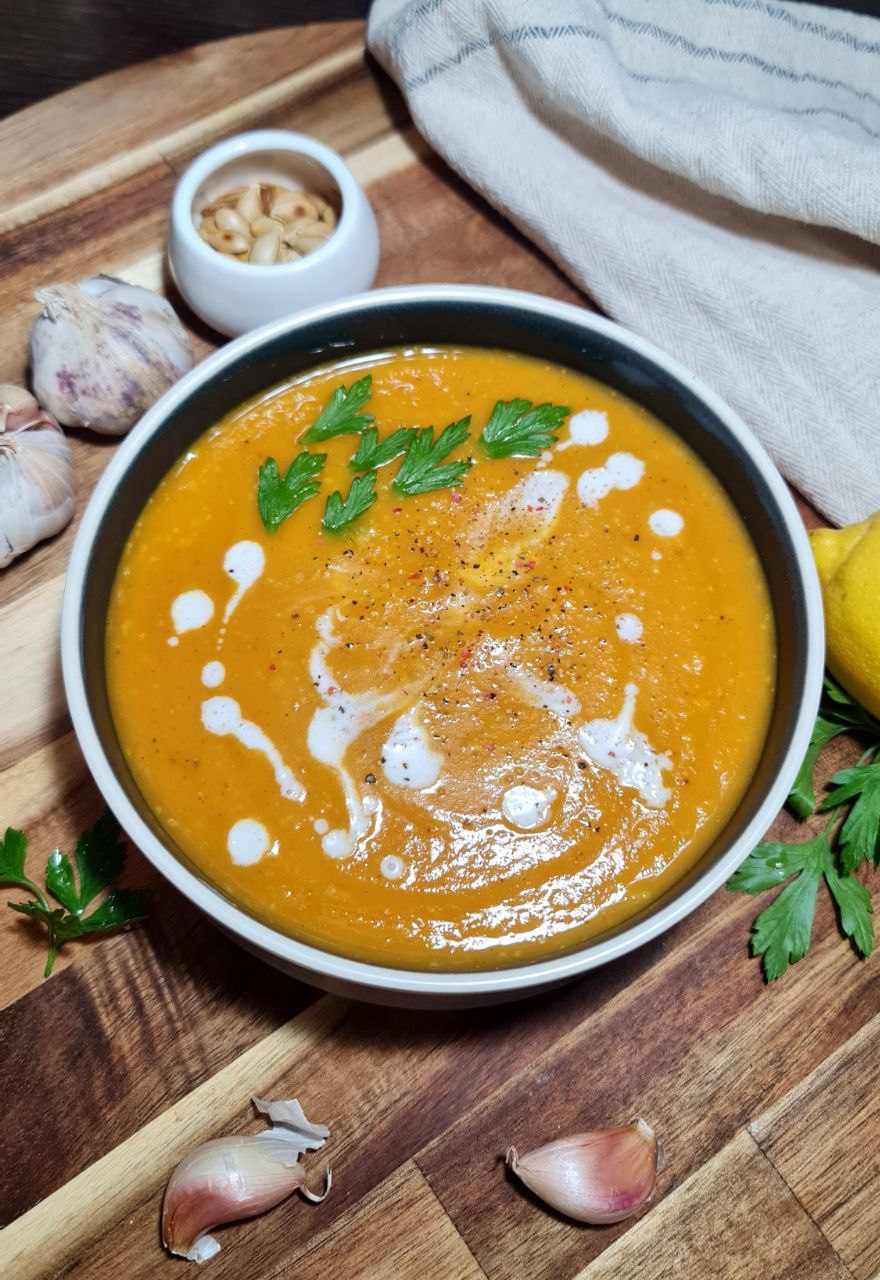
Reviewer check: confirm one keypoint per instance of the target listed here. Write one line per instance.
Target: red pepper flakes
(332, 691)
(490, 746)
(396, 510)
(272, 666)
(465, 656)
(417, 574)
(454, 495)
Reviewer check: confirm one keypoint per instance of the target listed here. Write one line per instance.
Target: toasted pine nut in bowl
(265, 224)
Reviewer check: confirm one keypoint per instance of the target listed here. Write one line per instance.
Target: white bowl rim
(255, 141)
(433, 983)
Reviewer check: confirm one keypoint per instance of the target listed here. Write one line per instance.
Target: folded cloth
(707, 170)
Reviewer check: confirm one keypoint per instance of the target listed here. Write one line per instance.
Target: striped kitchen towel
(707, 170)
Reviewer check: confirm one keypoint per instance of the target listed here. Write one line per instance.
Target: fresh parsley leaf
(423, 469)
(341, 512)
(120, 907)
(13, 851)
(517, 429)
(802, 798)
(100, 858)
(854, 908)
(836, 692)
(838, 705)
(782, 933)
(60, 881)
(373, 452)
(768, 866)
(340, 415)
(860, 834)
(279, 496)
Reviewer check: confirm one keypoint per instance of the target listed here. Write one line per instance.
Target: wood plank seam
(104, 175)
(449, 1219)
(803, 1208)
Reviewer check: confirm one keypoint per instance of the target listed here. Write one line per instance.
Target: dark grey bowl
(460, 315)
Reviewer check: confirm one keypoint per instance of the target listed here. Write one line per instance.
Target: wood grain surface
(142, 1044)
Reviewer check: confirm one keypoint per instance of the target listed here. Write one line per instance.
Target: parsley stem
(36, 891)
(52, 956)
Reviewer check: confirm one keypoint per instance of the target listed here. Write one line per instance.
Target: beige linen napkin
(707, 170)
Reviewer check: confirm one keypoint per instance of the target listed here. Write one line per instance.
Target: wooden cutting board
(142, 1044)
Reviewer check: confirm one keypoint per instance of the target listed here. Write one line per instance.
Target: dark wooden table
(140, 1045)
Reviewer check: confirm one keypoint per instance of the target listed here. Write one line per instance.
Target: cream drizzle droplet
(247, 841)
(213, 674)
(191, 610)
(628, 627)
(665, 523)
(527, 807)
(589, 427)
(222, 716)
(407, 757)
(392, 867)
(243, 563)
(626, 753)
(621, 471)
(549, 695)
(321, 825)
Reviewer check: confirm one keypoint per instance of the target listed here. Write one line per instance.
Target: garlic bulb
(37, 487)
(103, 351)
(228, 1179)
(597, 1177)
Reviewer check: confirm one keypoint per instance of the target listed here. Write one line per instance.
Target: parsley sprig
(340, 416)
(518, 429)
(279, 496)
(373, 452)
(782, 933)
(424, 469)
(340, 512)
(100, 858)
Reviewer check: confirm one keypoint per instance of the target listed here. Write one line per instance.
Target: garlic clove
(597, 1177)
(37, 484)
(229, 1179)
(103, 351)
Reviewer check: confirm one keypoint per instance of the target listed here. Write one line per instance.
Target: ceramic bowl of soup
(442, 643)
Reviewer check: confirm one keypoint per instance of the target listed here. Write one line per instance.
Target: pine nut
(250, 206)
(230, 220)
(265, 249)
(293, 204)
(228, 241)
(308, 244)
(261, 225)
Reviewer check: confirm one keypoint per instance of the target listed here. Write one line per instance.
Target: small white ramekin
(235, 297)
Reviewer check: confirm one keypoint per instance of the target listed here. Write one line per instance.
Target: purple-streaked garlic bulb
(102, 351)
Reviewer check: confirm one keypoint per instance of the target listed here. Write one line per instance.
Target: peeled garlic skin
(37, 484)
(599, 1177)
(226, 1180)
(102, 351)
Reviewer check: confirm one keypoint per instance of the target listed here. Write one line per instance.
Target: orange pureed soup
(481, 723)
